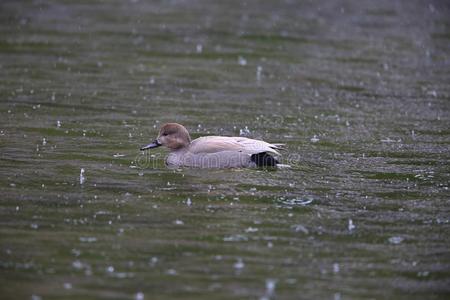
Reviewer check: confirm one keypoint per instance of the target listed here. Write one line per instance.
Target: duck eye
(165, 134)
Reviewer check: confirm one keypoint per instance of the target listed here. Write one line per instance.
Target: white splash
(336, 268)
(67, 285)
(300, 228)
(258, 73)
(199, 48)
(251, 229)
(242, 61)
(172, 272)
(396, 240)
(351, 226)
(244, 131)
(315, 139)
(270, 289)
(239, 265)
(82, 178)
(88, 239)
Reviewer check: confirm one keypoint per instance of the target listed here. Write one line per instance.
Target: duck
(213, 151)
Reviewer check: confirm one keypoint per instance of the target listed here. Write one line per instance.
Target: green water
(358, 90)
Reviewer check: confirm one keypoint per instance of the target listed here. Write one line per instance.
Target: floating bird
(213, 151)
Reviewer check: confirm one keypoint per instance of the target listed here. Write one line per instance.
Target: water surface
(358, 90)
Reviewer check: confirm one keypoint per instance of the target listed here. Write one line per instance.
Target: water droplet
(82, 178)
(172, 272)
(239, 265)
(300, 228)
(67, 285)
(139, 296)
(258, 73)
(336, 268)
(251, 229)
(396, 240)
(315, 139)
(88, 239)
(244, 131)
(270, 286)
(351, 226)
(242, 61)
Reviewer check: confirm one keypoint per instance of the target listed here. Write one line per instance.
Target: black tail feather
(264, 159)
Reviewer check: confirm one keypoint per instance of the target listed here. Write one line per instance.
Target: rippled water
(358, 90)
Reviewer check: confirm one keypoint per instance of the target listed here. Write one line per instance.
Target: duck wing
(214, 144)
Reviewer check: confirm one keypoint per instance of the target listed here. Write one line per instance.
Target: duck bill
(152, 145)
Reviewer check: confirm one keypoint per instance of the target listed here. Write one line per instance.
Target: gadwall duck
(213, 151)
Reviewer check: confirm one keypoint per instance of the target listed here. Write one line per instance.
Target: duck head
(171, 135)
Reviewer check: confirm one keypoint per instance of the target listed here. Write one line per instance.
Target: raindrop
(88, 239)
(77, 264)
(82, 178)
(172, 272)
(67, 285)
(315, 139)
(242, 61)
(396, 240)
(251, 229)
(351, 226)
(270, 286)
(244, 131)
(300, 228)
(235, 238)
(336, 268)
(258, 73)
(239, 265)
(179, 222)
(153, 260)
(423, 274)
